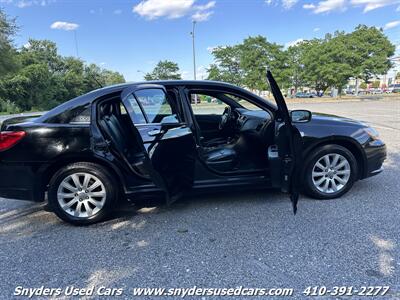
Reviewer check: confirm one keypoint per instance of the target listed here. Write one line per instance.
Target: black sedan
(124, 142)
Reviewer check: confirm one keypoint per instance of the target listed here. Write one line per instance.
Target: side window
(123, 109)
(155, 104)
(136, 113)
(76, 115)
(82, 118)
(206, 105)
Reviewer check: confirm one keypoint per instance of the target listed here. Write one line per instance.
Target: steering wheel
(225, 118)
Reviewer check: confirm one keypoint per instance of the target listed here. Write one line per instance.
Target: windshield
(247, 104)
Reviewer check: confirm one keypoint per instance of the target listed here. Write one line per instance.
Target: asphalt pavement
(249, 239)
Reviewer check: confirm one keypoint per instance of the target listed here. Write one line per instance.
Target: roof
(95, 94)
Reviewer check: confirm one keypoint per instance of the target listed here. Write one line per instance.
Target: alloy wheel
(331, 173)
(81, 195)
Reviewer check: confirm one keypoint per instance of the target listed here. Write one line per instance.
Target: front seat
(215, 142)
(221, 158)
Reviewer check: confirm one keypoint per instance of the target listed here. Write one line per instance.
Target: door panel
(145, 129)
(287, 160)
(168, 145)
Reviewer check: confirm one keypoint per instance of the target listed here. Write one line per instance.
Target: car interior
(131, 142)
(231, 137)
(118, 130)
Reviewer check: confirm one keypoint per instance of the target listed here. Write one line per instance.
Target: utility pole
(144, 74)
(76, 44)
(194, 56)
(194, 49)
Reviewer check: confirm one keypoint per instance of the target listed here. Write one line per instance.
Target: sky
(131, 36)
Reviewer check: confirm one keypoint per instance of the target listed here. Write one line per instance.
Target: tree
(8, 29)
(227, 66)
(246, 64)
(257, 55)
(41, 52)
(164, 70)
(318, 63)
(37, 77)
(369, 52)
(336, 55)
(313, 59)
(72, 78)
(45, 79)
(30, 88)
(110, 77)
(294, 73)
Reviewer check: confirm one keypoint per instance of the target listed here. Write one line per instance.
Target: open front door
(167, 145)
(287, 154)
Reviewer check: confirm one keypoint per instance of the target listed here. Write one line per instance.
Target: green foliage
(8, 107)
(313, 60)
(363, 85)
(41, 78)
(164, 70)
(8, 29)
(245, 64)
(335, 66)
(369, 50)
(257, 56)
(227, 66)
(318, 63)
(294, 72)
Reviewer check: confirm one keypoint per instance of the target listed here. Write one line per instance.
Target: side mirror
(300, 116)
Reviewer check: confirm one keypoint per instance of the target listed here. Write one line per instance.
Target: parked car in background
(349, 91)
(121, 142)
(304, 95)
(376, 91)
(362, 92)
(394, 88)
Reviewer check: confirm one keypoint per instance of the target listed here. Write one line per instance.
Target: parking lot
(250, 239)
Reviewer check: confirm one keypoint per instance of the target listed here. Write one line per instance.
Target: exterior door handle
(154, 132)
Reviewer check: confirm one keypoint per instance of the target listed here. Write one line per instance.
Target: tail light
(9, 138)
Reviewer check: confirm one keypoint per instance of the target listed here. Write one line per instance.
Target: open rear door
(287, 161)
(163, 148)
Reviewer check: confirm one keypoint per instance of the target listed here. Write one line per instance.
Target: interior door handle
(154, 132)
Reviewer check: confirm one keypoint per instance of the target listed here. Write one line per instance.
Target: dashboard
(251, 120)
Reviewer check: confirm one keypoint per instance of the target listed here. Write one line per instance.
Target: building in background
(385, 80)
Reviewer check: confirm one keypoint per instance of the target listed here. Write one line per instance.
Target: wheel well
(53, 168)
(357, 152)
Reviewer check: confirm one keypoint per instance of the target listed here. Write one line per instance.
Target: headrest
(106, 109)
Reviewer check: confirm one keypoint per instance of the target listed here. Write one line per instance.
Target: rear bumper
(18, 181)
(376, 154)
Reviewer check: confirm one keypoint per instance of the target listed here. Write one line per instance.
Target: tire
(82, 193)
(332, 181)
